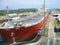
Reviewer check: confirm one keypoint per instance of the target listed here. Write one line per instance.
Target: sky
(17, 4)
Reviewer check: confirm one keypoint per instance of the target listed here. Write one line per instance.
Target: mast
(7, 11)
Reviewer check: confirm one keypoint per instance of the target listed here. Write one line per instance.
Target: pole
(7, 13)
(44, 17)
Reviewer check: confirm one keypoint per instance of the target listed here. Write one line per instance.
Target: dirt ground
(2, 17)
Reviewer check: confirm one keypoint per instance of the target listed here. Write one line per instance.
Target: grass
(46, 32)
(55, 23)
(58, 34)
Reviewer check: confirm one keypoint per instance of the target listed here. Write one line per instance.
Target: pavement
(51, 34)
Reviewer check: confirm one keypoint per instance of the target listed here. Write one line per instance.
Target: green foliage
(3, 12)
(46, 31)
(58, 34)
(55, 23)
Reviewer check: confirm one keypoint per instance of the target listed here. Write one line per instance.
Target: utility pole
(44, 17)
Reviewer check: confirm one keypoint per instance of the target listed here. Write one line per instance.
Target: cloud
(28, 3)
(49, 2)
(21, 3)
(52, 3)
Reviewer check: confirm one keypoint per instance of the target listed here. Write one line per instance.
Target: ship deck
(26, 21)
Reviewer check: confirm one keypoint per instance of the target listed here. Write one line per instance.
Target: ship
(23, 27)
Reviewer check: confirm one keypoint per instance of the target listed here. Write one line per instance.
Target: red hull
(22, 32)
